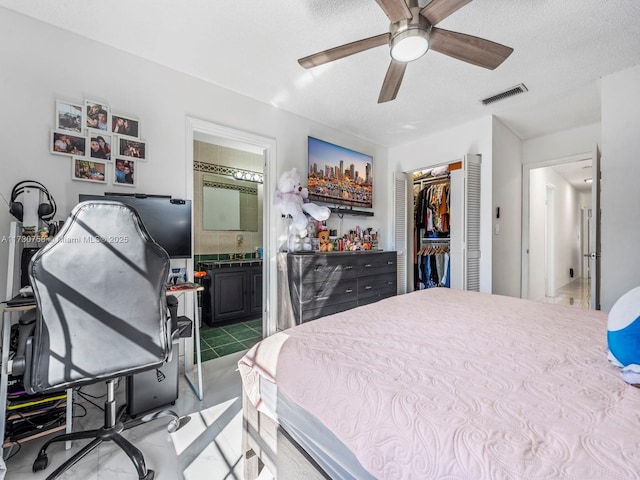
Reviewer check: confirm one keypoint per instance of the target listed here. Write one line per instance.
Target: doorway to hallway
(557, 205)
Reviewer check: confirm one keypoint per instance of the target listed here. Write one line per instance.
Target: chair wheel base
(40, 463)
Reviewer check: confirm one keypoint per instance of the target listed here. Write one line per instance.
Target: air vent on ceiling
(517, 90)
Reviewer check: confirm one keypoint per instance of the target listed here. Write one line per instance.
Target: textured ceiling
(562, 49)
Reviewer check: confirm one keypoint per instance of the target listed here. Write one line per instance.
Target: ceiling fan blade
(396, 10)
(342, 51)
(438, 10)
(468, 48)
(392, 81)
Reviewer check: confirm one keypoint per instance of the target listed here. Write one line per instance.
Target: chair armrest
(21, 366)
(172, 305)
(26, 326)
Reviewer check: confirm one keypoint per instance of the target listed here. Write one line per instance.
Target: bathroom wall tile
(218, 242)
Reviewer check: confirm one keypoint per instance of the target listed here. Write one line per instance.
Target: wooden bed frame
(265, 443)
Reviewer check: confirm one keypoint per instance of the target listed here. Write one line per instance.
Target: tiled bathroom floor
(229, 338)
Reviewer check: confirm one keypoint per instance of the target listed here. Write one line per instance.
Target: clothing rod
(435, 240)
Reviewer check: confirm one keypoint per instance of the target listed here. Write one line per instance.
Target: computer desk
(193, 289)
(7, 316)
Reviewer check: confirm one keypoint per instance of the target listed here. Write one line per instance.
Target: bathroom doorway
(229, 178)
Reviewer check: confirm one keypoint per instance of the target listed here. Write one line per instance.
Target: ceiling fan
(411, 34)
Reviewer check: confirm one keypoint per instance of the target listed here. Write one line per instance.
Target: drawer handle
(390, 262)
(389, 283)
(348, 290)
(367, 265)
(368, 287)
(348, 267)
(317, 268)
(318, 296)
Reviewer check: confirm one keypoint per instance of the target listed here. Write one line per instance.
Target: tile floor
(224, 339)
(576, 293)
(208, 447)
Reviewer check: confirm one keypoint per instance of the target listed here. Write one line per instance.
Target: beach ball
(623, 328)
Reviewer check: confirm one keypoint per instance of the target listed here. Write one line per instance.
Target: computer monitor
(168, 220)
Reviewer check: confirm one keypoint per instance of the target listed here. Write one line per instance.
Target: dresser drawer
(315, 295)
(381, 286)
(328, 309)
(377, 264)
(316, 268)
(322, 284)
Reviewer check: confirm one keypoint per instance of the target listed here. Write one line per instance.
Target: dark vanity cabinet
(325, 283)
(233, 292)
(255, 300)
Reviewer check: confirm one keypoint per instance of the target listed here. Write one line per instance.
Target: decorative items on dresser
(323, 283)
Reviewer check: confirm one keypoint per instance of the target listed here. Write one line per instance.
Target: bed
(441, 383)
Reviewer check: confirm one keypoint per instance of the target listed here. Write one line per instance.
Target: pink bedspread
(452, 384)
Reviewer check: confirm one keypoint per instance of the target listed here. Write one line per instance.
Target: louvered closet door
(472, 167)
(400, 222)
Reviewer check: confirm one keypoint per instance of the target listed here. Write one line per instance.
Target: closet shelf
(431, 180)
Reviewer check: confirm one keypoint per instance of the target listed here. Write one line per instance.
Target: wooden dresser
(324, 283)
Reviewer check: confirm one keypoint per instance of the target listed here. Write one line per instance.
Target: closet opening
(431, 233)
(442, 224)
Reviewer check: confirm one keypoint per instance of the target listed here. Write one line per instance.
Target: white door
(549, 242)
(594, 240)
(401, 226)
(472, 169)
(585, 225)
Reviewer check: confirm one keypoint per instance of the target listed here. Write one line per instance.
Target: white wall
(559, 145)
(41, 63)
(565, 242)
(448, 146)
(507, 195)
(620, 197)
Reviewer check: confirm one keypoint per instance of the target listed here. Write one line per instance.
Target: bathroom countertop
(238, 262)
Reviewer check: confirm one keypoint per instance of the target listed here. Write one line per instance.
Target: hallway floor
(576, 293)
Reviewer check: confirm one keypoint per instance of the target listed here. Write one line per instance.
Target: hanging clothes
(431, 210)
(432, 266)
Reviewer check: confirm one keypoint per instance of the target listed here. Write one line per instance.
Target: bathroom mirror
(229, 204)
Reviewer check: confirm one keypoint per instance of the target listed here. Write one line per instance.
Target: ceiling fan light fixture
(409, 45)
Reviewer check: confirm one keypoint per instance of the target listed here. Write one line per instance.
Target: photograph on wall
(97, 115)
(132, 148)
(124, 172)
(66, 143)
(100, 146)
(339, 175)
(125, 126)
(88, 170)
(69, 117)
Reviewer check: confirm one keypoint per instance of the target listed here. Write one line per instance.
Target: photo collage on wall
(104, 147)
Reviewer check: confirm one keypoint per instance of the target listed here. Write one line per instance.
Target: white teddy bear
(292, 199)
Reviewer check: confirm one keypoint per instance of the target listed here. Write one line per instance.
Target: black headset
(46, 211)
